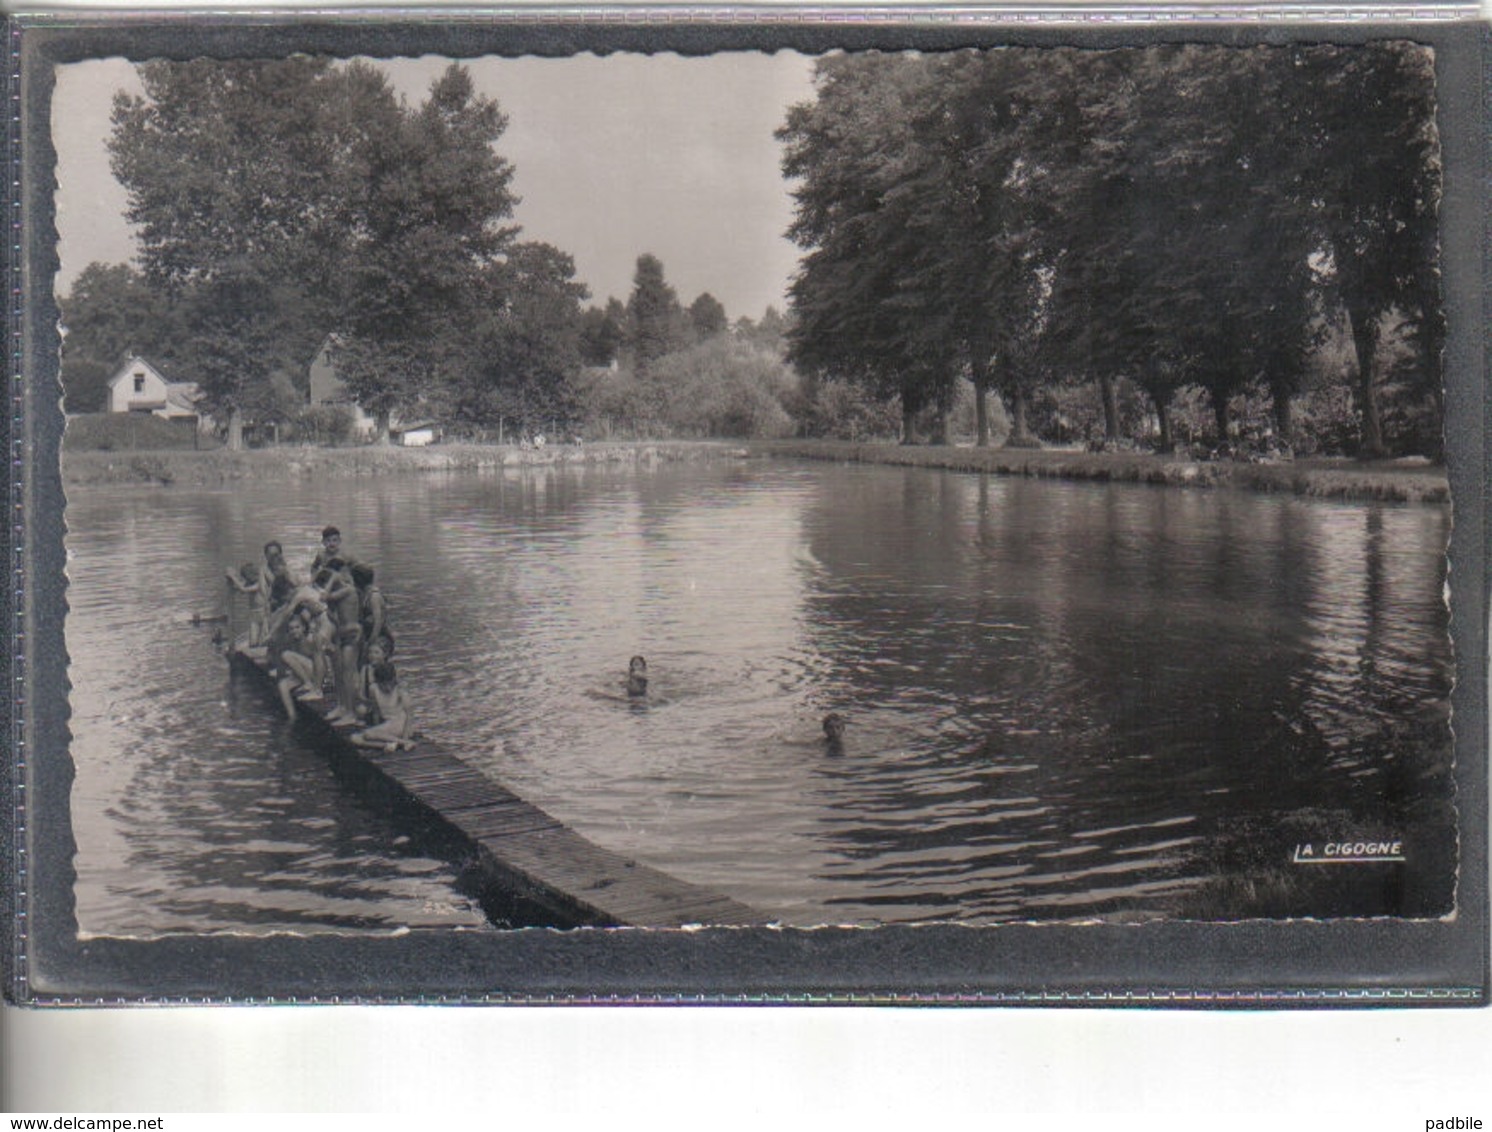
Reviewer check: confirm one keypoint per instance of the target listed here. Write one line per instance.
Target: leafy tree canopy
(656, 324)
(278, 201)
(1180, 214)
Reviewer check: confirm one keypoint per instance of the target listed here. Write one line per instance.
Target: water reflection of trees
(1124, 693)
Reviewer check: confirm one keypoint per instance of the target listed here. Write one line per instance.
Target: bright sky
(615, 157)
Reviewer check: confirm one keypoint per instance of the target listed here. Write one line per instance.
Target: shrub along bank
(224, 466)
(1389, 481)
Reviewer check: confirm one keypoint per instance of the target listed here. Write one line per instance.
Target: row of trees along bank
(1166, 219)
(1107, 241)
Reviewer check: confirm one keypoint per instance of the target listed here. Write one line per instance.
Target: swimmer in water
(637, 677)
(834, 733)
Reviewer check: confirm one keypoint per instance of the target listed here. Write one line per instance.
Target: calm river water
(1065, 700)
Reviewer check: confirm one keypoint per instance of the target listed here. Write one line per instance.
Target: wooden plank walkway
(520, 856)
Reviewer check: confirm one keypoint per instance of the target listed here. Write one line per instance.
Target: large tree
(602, 333)
(281, 201)
(1371, 158)
(239, 177)
(1181, 214)
(996, 133)
(707, 318)
(1189, 250)
(433, 201)
(656, 323)
(864, 308)
(524, 350)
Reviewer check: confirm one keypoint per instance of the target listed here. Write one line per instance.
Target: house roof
(183, 394)
(128, 368)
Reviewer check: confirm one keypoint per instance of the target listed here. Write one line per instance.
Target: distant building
(416, 434)
(138, 387)
(327, 388)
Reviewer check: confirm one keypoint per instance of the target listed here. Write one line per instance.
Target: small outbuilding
(414, 434)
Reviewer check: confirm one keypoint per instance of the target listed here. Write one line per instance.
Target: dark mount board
(1256, 963)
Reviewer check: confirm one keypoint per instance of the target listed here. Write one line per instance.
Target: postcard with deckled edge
(582, 508)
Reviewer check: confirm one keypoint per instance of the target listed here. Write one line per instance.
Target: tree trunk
(1283, 425)
(908, 420)
(1365, 344)
(979, 377)
(1109, 388)
(1437, 438)
(1163, 415)
(1019, 430)
(235, 429)
(1220, 417)
(381, 427)
(940, 426)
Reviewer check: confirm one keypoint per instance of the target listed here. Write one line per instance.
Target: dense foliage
(285, 205)
(1176, 217)
(1178, 244)
(282, 204)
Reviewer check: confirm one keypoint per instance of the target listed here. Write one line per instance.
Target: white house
(138, 387)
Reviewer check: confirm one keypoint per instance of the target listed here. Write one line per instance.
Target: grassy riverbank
(1323, 479)
(208, 469)
(1388, 481)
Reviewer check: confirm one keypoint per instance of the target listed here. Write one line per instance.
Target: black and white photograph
(997, 486)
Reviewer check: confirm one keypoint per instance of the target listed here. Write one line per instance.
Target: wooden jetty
(525, 866)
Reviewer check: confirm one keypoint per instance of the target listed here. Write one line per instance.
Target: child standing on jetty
(341, 597)
(396, 723)
(331, 553)
(372, 610)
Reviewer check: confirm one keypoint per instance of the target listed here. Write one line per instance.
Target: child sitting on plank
(396, 726)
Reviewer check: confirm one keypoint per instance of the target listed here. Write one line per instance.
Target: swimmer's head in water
(637, 677)
(834, 727)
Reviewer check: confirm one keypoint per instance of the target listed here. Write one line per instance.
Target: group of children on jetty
(330, 631)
